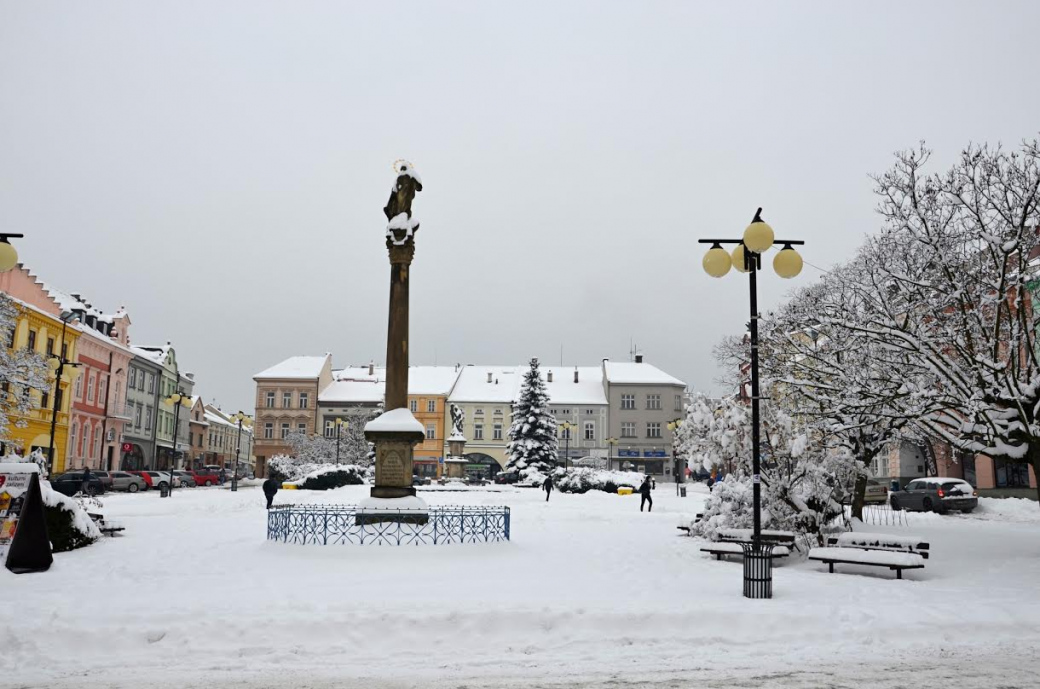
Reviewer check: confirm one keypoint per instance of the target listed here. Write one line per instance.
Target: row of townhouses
(618, 411)
(115, 400)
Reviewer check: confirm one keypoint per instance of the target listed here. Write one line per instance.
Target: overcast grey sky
(220, 167)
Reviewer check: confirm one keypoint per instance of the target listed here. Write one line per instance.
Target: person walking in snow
(222, 476)
(547, 486)
(644, 492)
(86, 480)
(271, 486)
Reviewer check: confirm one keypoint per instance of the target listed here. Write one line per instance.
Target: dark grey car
(936, 494)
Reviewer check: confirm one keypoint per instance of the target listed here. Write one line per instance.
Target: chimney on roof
(575, 374)
(371, 367)
(639, 357)
(548, 376)
(489, 376)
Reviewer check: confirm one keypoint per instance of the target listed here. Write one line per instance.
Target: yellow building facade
(42, 333)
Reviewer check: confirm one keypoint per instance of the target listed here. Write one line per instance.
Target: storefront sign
(24, 544)
(654, 453)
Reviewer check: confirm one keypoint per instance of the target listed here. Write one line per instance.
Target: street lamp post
(239, 417)
(566, 428)
(57, 363)
(340, 424)
(178, 400)
(747, 258)
(611, 445)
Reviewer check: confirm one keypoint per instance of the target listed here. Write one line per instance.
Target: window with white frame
(97, 441)
(497, 431)
(301, 427)
(285, 431)
(431, 406)
(413, 406)
(498, 412)
(653, 401)
(137, 415)
(286, 400)
(72, 438)
(148, 417)
(132, 379)
(269, 402)
(628, 429)
(590, 412)
(84, 440)
(565, 434)
(431, 431)
(653, 429)
(90, 388)
(304, 400)
(151, 383)
(478, 412)
(78, 391)
(101, 389)
(678, 403)
(330, 428)
(268, 432)
(590, 430)
(628, 401)
(478, 431)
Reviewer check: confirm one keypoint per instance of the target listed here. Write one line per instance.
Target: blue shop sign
(654, 453)
(628, 453)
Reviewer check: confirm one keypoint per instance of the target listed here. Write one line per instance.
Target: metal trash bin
(682, 491)
(164, 491)
(758, 571)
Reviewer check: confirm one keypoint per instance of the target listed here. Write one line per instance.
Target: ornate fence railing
(340, 524)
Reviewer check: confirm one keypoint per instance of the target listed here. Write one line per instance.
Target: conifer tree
(532, 436)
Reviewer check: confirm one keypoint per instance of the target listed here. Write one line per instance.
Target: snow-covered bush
(582, 480)
(333, 476)
(68, 525)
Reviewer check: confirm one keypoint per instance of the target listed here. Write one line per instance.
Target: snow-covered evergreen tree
(532, 436)
(21, 372)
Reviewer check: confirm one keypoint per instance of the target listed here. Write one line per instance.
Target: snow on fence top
(631, 373)
(296, 367)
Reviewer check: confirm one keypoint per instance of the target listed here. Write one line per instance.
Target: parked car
(124, 480)
(106, 478)
(144, 476)
(936, 494)
(159, 479)
(71, 482)
(420, 480)
(875, 492)
(186, 479)
(205, 477)
(504, 477)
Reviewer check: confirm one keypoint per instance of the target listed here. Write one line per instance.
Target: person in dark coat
(222, 476)
(86, 480)
(547, 486)
(271, 486)
(644, 491)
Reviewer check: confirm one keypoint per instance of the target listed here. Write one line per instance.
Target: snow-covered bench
(687, 527)
(881, 541)
(109, 528)
(770, 536)
(722, 548)
(852, 555)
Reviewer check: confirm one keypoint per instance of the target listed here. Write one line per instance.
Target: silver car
(936, 494)
(131, 483)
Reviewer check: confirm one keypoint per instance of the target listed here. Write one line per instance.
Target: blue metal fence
(334, 524)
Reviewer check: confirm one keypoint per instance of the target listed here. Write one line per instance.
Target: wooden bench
(107, 528)
(723, 548)
(879, 541)
(897, 561)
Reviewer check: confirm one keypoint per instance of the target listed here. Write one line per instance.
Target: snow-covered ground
(590, 592)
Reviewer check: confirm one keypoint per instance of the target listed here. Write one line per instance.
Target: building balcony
(121, 411)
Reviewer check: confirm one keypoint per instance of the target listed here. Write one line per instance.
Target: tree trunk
(857, 496)
(1034, 459)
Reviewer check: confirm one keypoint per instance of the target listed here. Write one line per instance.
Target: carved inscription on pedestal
(392, 466)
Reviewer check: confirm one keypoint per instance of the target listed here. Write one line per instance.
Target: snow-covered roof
(157, 354)
(563, 389)
(473, 385)
(360, 373)
(432, 380)
(631, 373)
(296, 367)
(353, 392)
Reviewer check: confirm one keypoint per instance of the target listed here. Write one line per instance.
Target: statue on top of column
(403, 191)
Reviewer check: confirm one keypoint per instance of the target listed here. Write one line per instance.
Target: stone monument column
(396, 432)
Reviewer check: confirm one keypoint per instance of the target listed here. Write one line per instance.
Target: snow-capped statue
(403, 191)
(457, 418)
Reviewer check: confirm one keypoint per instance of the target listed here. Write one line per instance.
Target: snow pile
(582, 480)
(1008, 510)
(332, 476)
(395, 421)
(68, 524)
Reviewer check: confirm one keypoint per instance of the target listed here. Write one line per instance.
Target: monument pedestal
(392, 497)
